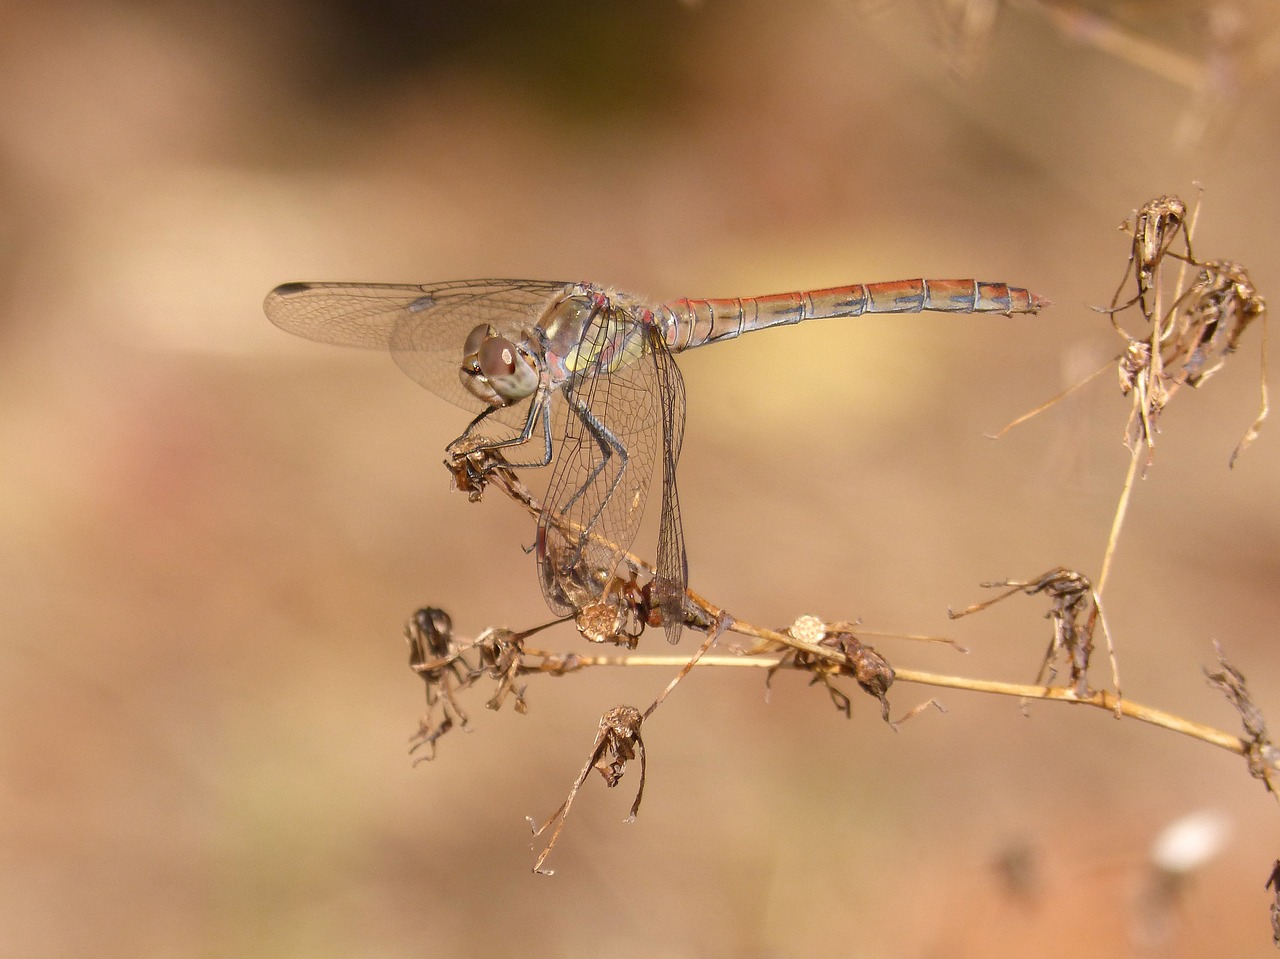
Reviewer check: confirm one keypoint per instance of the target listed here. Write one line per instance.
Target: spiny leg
(539, 409)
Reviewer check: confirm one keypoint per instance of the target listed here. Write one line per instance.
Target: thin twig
(1100, 699)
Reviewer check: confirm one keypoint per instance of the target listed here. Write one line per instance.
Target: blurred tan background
(213, 533)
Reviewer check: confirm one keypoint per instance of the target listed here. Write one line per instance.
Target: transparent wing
(673, 564)
(613, 428)
(424, 326)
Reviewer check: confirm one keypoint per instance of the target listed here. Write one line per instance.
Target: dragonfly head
(496, 370)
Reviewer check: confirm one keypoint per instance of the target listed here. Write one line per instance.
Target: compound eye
(475, 338)
(497, 357)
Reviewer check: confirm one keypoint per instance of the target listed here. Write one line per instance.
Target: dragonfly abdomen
(692, 323)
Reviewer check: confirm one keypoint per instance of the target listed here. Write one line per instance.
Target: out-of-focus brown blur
(212, 533)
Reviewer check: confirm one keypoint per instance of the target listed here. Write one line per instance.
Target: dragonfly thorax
(496, 370)
(590, 331)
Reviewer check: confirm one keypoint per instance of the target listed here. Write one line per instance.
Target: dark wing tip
(289, 289)
(271, 304)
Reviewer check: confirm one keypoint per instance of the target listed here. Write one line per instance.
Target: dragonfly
(582, 378)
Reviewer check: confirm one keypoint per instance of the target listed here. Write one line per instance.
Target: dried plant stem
(1264, 406)
(1086, 26)
(1117, 521)
(1031, 414)
(1101, 699)
(748, 662)
(722, 623)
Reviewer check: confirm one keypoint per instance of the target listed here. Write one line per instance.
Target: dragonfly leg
(539, 410)
(610, 446)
